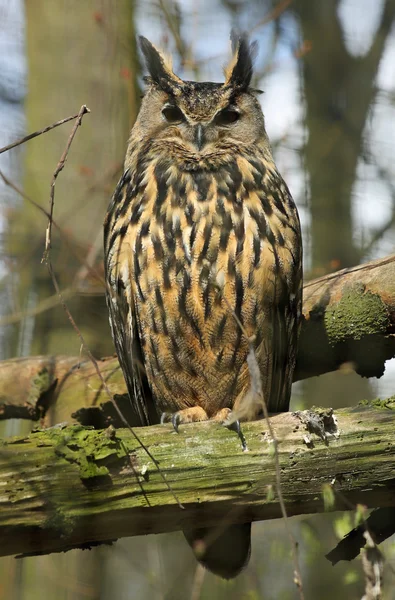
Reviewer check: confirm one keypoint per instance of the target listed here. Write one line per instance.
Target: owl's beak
(199, 137)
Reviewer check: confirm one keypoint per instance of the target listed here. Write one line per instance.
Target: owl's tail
(224, 553)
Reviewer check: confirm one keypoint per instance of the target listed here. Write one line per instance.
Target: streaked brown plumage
(202, 224)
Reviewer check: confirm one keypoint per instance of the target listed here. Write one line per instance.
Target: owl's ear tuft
(159, 67)
(238, 72)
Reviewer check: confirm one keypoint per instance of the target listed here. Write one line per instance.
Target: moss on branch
(71, 486)
(358, 313)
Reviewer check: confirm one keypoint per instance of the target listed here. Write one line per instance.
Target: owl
(203, 254)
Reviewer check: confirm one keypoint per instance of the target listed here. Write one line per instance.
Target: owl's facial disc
(205, 116)
(173, 115)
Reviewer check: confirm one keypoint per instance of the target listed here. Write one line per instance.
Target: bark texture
(72, 486)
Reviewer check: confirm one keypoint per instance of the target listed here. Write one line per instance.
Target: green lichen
(61, 521)
(357, 314)
(41, 383)
(388, 403)
(92, 451)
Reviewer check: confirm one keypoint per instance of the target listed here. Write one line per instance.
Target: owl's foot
(224, 417)
(187, 415)
(197, 413)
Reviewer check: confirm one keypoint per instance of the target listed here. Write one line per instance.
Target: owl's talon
(176, 420)
(164, 418)
(235, 426)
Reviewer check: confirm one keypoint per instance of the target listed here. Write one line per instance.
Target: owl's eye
(172, 114)
(227, 116)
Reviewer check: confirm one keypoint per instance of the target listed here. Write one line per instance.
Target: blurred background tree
(327, 69)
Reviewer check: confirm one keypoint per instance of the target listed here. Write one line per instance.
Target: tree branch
(349, 317)
(71, 486)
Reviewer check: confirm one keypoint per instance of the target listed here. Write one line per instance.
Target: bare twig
(86, 265)
(98, 185)
(272, 15)
(197, 584)
(255, 374)
(372, 562)
(42, 306)
(37, 133)
(173, 24)
(373, 530)
(21, 193)
(47, 259)
(85, 269)
(257, 391)
(83, 110)
(372, 265)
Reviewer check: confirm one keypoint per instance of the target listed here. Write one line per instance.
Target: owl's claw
(176, 420)
(164, 417)
(235, 426)
(185, 415)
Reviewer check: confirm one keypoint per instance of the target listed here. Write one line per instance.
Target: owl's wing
(121, 308)
(284, 247)
(285, 330)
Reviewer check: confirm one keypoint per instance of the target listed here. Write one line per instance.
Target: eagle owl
(202, 235)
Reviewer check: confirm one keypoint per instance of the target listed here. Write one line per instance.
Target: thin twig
(294, 545)
(257, 384)
(272, 15)
(47, 259)
(37, 133)
(42, 306)
(197, 583)
(364, 521)
(171, 20)
(85, 269)
(98, 185)
(16, 189)
(83, 110)
(373, 566)
(364, 266)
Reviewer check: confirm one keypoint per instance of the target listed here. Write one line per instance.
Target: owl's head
(201, 117)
